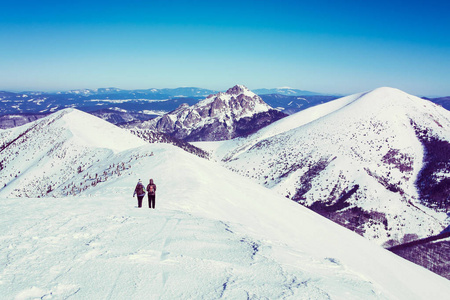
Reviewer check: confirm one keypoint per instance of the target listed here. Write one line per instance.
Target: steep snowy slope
(358, 160)
(52, 153)
(212, 235)
(225, 115)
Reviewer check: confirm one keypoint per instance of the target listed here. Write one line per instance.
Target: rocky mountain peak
(180, 108)
(238, 89)
(221, 116)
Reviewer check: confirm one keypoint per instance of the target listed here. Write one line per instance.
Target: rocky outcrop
(222, 116)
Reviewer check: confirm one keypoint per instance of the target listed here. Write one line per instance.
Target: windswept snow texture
(213, 234)
(356, 160)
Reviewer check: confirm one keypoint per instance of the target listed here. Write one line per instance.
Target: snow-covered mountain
(376, 162)
(222, 116)
(58, 154)
(213, 234)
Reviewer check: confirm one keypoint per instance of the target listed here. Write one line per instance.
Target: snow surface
(97, 133)
(153, 112)
(213, 234)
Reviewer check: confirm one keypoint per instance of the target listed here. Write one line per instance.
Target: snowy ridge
(95, 132)
(213, 235)
(357, 156)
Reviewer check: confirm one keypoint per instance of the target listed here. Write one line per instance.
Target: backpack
(140, 189)
(151, 189)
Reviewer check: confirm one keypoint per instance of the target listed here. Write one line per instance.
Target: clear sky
(322, 46)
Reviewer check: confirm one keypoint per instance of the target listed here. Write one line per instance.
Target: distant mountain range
(147, 101)
(122, 106)
(166, 92)
(286, 91)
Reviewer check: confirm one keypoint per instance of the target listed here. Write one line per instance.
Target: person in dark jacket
(151, 193)
(140, 192)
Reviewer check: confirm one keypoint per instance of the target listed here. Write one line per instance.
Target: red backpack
(151, 189)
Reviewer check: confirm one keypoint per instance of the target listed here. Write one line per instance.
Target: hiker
(151, 193)
(139, 190)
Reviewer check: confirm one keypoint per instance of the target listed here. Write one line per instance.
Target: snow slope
(213, 234)
(363, 148)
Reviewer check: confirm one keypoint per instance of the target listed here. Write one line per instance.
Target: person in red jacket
(151, 193)
(140, 192)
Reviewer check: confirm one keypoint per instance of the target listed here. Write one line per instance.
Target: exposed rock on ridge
(222, 116)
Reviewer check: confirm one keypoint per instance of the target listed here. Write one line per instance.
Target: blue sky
(323, 46)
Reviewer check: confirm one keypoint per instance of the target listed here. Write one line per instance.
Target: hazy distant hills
(91, 100)
(134, 94)
(286, 91)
